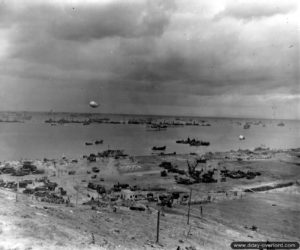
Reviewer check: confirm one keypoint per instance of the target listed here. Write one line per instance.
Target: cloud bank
(229, 58)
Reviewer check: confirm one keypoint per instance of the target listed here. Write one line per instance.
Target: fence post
(17, 191)
(157, 227)
(76, 197)
(189, 208)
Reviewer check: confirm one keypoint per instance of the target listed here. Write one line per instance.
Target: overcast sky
(176, 57)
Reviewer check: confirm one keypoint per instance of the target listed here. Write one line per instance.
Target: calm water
(36, 139)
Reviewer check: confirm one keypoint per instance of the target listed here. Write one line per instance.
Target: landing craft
(94, 104)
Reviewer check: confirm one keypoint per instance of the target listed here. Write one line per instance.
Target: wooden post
(157, 228)
(76, 197)
(17, 191)
(201, 212)
(189, 208)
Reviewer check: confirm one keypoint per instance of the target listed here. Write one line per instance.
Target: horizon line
(159, 115)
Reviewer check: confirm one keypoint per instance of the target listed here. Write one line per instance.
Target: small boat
(159, 148)
(181, 142)
(281, 124)
(98, 142)
(247, 126)
(88, 143)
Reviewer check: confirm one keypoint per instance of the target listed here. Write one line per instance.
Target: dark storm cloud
(117, 19)
(257, 9)
(84, 22)
(156, 53)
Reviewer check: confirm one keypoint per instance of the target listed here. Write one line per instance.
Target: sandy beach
(85, 219)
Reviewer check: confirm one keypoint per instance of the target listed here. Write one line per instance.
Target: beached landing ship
(193, 142)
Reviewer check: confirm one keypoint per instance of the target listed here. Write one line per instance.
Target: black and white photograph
(149, 124)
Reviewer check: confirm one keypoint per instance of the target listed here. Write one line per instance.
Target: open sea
(35, 139)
